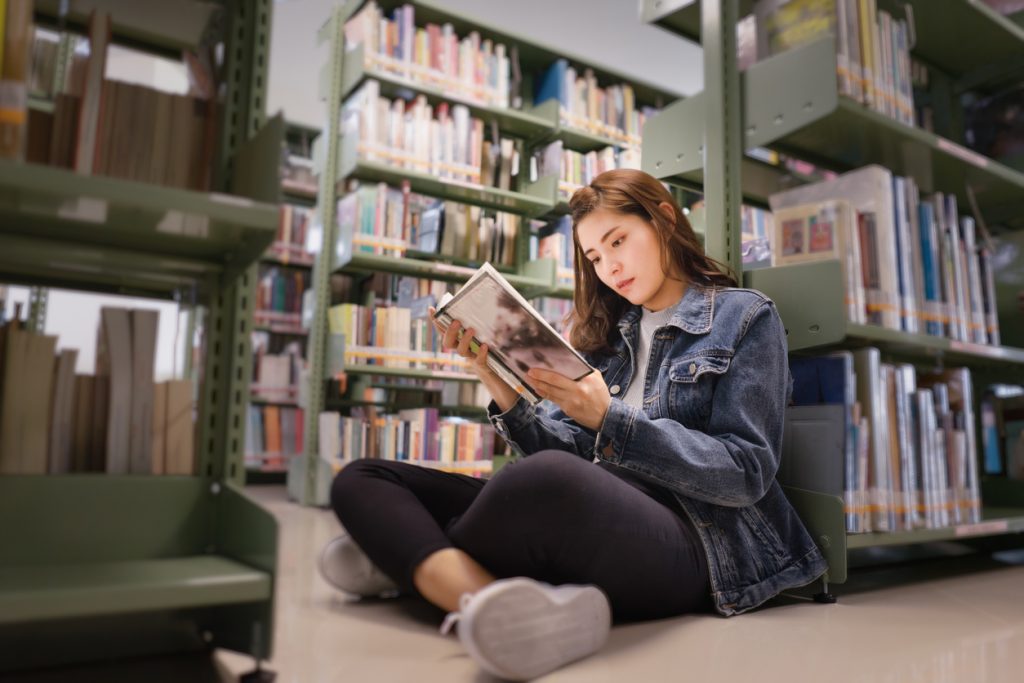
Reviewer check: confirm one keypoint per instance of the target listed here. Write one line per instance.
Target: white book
(144, 325)
(959, 275)
(925, 436)
(114, 355)
(870, 394)
(852, 26)
(869, 191)
(974, 284)
(906, 386)
(62, 412)
(821, 231)
(329, 435)
(905, 257)
(517, 336)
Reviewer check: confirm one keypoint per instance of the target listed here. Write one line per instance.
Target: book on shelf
(1002, 421)
(179, 428)
(62, 412)
(101, 126)
(15, 72)
(118, 421)
(824, 414)
(820, 231)
(610, 111)
(896, 444)
(443, 141)
(470, 67)
(415, 435)
(279, 294)
(387, 221)
(25, 401)
(517, 336)
(293, 242)
(274, 433)
(873, 62)
(922, 268)
(95, 101)
(297, 175)
(43, 63)
(576, 169)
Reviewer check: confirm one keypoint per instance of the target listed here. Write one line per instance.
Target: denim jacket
(710, 432)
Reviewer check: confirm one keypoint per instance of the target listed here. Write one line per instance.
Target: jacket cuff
(615, 430)
(512, 420)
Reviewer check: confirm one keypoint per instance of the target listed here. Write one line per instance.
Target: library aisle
(956, 620)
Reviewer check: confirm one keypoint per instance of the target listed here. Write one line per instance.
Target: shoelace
(453, 617)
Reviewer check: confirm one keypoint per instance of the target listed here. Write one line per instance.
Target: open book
(516, 335)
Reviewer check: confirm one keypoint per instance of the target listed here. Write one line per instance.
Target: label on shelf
(996, 526)
(86, 209)
(963, 153)
(186, 224)
(448, 268)
(232, 199)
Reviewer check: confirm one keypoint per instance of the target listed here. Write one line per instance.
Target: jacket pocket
(691, 386)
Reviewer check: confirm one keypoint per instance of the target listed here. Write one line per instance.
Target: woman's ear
(667, 210)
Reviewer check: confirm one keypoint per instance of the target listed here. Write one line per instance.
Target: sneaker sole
(364, 586)
(516, 631)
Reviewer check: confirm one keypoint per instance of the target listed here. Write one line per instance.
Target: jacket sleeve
(736, 460)
(531, 429)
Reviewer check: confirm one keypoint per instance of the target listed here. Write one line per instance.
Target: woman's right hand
(452, 340)
(504, 395)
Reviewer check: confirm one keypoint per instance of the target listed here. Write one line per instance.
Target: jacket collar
(692, 314)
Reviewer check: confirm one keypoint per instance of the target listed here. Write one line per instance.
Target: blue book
(818, 380)
(929, 265)
(551, 85)
(428, 236)
(904, 276)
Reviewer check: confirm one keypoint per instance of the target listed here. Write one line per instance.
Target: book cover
(517, 336)
(820, 231)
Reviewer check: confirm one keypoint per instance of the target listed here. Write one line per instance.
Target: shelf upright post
(227, 332)
(38, 297)
(316, 347)
(723, 137)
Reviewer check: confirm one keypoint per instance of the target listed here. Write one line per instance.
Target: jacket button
(615, 388)
(693, 368)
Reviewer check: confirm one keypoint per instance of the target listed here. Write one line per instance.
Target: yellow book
(3, 23)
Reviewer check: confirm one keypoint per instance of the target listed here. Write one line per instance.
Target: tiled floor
(959, 620)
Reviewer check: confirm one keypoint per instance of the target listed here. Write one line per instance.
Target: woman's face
(626, 254)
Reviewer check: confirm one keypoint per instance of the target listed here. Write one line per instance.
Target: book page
(513, 331)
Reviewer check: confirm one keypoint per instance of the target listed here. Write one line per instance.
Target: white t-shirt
(649, 322)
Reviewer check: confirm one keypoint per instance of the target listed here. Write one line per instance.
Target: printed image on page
(511, 333)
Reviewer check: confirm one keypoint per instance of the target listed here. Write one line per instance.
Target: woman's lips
(625, 284)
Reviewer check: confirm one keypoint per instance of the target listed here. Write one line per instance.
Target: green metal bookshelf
(790, 103)
(105, 566)
(338, 160)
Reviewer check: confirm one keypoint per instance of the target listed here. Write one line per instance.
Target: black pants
(553, 517)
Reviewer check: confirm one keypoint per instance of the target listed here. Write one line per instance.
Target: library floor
(957, 620)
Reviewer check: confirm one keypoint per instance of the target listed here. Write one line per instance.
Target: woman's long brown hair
(597, 308)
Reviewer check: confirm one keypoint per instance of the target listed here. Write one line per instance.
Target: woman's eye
(594, 261)
(618, 241)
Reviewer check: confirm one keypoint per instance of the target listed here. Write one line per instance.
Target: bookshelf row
(792, 103)
(150, 532)
(803, 102)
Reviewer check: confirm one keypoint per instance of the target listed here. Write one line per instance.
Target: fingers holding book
(462, 341)
(585, 400)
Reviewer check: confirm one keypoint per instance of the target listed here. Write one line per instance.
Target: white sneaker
(519, 628)
(344, 565)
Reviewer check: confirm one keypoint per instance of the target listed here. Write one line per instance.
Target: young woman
(649, 488)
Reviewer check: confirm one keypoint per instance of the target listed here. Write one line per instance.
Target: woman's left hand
(586, 401)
